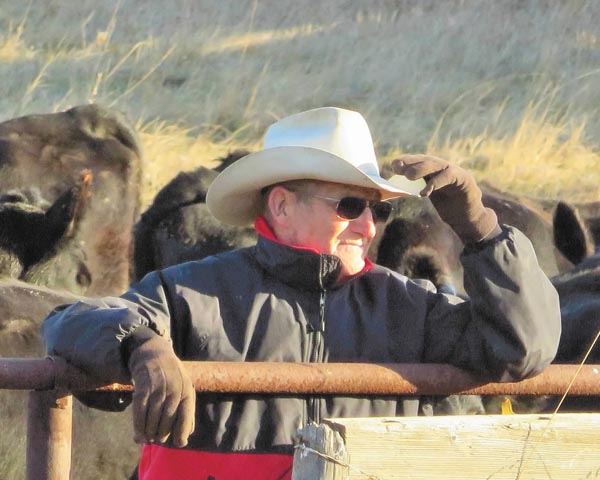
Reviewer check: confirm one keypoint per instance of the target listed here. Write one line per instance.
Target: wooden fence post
(320, 454)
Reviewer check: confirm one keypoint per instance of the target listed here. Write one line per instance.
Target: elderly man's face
(314, 223)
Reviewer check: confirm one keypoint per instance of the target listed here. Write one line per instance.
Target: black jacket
(275, 303)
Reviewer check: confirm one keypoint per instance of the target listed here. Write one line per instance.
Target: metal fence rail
(51, 382)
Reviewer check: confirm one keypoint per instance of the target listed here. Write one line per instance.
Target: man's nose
(365, 225)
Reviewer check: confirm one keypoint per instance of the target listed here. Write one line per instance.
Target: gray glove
(164, 397)
(454, 194)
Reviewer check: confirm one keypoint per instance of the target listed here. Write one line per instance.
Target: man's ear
(280, 202)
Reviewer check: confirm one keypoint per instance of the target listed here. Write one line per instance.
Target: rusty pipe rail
(381, 379)
(49, 422)
(314, 378)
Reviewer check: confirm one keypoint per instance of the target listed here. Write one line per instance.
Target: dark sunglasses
(350, 208)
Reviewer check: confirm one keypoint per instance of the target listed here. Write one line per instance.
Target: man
(306, 292)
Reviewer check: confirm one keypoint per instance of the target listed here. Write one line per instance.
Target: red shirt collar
(264, 230)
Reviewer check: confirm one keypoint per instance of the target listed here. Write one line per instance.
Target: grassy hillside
(508, 88)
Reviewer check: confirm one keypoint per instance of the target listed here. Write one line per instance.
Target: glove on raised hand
(164, 397)
(454, 194)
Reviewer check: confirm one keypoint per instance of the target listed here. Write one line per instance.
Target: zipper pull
(322, 311)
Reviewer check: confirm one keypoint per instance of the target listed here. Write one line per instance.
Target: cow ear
(571, 236)
(64, 216)
(60, 217)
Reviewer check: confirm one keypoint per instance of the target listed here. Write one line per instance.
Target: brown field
(510, 89)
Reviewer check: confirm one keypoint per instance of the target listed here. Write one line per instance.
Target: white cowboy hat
(328, 144)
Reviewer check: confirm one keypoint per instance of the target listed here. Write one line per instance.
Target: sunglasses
(350, 208)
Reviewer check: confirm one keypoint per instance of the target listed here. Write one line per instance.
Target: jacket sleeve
(89, 333)
(510, 327)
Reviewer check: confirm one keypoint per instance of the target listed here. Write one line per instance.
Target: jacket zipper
(317, 355)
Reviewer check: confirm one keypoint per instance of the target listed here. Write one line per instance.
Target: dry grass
(169, 149)
(544, 157)
(507, 88)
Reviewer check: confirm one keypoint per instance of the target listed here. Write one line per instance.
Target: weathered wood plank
(498, 447)
(320, 453)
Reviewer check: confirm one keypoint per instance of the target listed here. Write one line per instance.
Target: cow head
(47, 152)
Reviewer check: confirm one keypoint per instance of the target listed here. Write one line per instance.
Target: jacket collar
(297, 266)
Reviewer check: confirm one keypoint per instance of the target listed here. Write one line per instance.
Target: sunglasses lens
(350, 208)
(381, 211)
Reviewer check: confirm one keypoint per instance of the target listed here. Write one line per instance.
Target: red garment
(263, 229)
(162, 463)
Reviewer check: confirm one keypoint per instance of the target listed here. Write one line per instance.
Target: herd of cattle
(70, 225)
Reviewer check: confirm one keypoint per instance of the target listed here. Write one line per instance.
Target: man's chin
(350, 269)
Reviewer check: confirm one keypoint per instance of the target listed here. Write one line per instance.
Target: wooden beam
(497, 447)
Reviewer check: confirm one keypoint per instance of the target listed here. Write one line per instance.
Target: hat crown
(341, 132)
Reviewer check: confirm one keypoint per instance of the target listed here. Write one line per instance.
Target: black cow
(579, 293)
(178, 227)
(587, 212)
(572, 235)
(47, 152)
(417, 243)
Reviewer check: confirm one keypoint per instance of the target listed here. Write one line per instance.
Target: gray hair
(292, 185)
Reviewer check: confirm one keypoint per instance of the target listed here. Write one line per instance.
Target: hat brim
(234, 196)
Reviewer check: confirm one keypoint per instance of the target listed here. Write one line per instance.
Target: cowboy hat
(328, 144)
